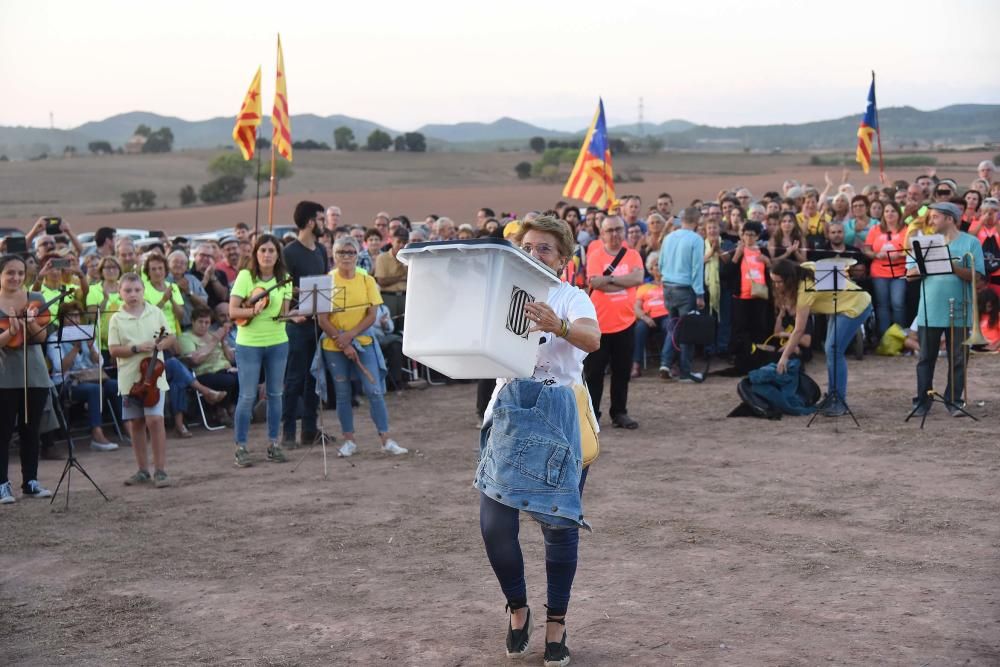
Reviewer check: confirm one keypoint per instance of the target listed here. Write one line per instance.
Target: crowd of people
(732, 256)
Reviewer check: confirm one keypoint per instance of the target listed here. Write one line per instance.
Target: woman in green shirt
(261, 343)
(165, 296)
(104, 296)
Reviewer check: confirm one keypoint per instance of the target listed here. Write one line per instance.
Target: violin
(145, 392)
(258, 294)
(42, 319)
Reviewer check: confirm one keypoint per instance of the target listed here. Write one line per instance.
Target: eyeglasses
(614, 230)
(538, 248)
(345, 253)
(943, 192)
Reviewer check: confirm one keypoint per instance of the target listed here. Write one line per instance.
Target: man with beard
(305, 256)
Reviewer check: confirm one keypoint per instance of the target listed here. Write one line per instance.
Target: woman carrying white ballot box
(530, 448)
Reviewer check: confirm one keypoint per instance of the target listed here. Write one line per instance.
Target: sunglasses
(943, 192)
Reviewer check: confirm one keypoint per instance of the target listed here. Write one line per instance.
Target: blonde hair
(550, 225)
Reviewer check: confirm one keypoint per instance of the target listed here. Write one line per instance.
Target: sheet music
(831, 274)
(315, 295)
(72, 333)
(937, 257)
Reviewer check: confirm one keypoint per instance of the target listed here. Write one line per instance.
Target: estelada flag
(245, 131)
(592, 179)
(867, 131)
(282, 137)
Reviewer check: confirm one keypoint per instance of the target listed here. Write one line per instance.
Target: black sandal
(517, 640)
(556, 653)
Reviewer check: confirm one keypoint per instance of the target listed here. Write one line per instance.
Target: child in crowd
(132, 337)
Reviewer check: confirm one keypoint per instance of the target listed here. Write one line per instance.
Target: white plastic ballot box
(465, 307)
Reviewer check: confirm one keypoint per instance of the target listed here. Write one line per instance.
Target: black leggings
(12, 407)
(500, 525)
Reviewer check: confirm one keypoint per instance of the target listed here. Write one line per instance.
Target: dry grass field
(87, 189)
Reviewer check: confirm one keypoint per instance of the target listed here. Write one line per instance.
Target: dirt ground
(717, 542)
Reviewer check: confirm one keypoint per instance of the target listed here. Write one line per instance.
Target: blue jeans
(725, 330)
(642, 334)
(179, 377)
(90, 393)
(840, 329)
(890, 303)
(680, 300)
(499, 525)
(341, 368)
(249, 361)
(299, 382)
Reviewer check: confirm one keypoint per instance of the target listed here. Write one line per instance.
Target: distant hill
(901, 127)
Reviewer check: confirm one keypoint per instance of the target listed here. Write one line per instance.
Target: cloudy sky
(404, 63)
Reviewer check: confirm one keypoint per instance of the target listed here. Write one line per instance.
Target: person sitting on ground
(650, 312)
(79, 363)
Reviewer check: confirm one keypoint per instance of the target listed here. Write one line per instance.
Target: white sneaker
(103, 446)
(6, 494)
(392, 447)
(36, 490)
(347, 449)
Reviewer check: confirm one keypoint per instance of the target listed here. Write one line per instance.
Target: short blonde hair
(549, 224)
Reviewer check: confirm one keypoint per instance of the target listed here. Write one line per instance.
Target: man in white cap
(941, 296)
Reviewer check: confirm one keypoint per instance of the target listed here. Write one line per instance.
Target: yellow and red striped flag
(245, 131)
(280, 120)
(592, 178)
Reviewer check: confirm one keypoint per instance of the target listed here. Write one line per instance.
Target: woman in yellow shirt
(347, 346)
(161, 294)
(794, 283)
(262, 343)
(104, 296)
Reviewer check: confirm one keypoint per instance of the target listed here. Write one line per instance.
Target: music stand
(831, 276)
(931, 256)
(316, 297)
(73, 333)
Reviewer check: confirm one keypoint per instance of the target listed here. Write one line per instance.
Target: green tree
(222, 190)
(263, 142)
(143, 131)
(188, 195)
(537, 144)
(378, 141)
(343, 139)
(399, 144)
(415, 142)
(230, 164)
(161, 141)
(138, 199)
(523, 170)
(99, 147)
(282, 170)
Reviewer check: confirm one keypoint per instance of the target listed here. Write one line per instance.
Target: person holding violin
(22, 395)
(133, 338)
(261, 294)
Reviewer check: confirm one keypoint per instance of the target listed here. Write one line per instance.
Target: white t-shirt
(558, 361)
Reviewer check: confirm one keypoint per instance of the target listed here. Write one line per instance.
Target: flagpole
(256, 208)
(878, 136)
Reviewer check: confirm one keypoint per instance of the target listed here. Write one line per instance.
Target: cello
(145, 392)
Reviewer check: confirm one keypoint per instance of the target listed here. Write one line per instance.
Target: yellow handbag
(590, 446)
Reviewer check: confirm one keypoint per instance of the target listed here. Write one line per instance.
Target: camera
(53, 225)
(61, 263)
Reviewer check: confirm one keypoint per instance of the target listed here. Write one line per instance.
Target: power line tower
(52, 121)
(642, 126)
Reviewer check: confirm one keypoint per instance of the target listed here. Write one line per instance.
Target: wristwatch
(611, 279)
(135, 350)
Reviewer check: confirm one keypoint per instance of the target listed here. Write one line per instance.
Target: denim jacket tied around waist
(529, 453)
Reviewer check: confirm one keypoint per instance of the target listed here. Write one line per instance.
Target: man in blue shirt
(944, 301)
(682, 265)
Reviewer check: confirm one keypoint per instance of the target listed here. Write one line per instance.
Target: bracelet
(563, 328)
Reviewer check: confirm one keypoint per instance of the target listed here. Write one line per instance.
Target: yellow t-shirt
(95, 297)
(49, 293)
(127, 329)
(154, 296)
(811, 227)
(351, 300)
(263, 330)
(851, 301)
